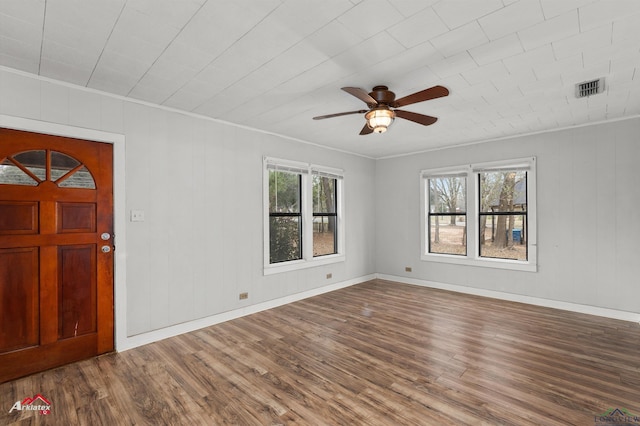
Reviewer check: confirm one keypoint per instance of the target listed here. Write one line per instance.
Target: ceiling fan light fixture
(380, 118)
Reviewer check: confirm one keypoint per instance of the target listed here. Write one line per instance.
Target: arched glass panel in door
(31, 168)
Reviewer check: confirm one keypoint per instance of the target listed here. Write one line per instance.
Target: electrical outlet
(244, 296)
(329, 275)
(407, 268)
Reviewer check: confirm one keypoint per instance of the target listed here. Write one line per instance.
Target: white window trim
(473, 256)
(306, 208)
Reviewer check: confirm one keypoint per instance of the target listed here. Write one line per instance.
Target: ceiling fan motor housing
(382, 95)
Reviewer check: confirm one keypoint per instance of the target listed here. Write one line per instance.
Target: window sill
(514, 265)
(295, 265)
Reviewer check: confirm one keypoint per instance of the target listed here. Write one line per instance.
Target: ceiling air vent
(589, 88)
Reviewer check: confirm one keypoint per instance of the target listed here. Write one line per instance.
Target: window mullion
(307, 217)
(473, 201)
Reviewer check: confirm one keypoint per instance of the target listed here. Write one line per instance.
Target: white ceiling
(511, 66)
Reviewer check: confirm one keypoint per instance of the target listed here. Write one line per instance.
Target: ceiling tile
(64, 71)
(332, 39)
(417, 29)
(133, 23)
(368, 53)
(370, 17)
(398, 70)
(461, 39)
(31, 12)
(174, 14)
(410, 7)
(495, 70)
(191, 95)
(553, 8)
(124, 65)
(304, 18)
(554, 29)
(583, 42)
(454, 65)
(568, 65)
(112, 81)
(604, 12)
(626, 29)
(515, 17)
(455, 16)
(20, 55)
(496, 50)
(14, 28)
(525, 62)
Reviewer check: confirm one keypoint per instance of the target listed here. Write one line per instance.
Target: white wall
(588, 201)
(199, 183)
(200, 186)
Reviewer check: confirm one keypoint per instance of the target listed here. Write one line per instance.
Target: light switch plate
(137, 215)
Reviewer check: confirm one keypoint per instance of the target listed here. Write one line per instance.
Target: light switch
(137, 215)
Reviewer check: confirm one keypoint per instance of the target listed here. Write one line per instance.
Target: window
(502, 219)
(31, 168)
(303, 206)
(325, 213)
(447, 217)
(285, 216)
(480, 214)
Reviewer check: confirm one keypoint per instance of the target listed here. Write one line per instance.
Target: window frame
(473, 257)
(334, 214)
(440, 174)
(297, 214)
(308, 260)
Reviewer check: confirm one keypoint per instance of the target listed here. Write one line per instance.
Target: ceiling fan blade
(425, 120)
(421, 96)
(322, 117)
(361, 94)
(366, 130)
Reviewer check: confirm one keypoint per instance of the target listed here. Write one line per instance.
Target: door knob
(106, 249)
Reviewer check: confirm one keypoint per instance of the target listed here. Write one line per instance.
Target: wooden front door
(56, 251)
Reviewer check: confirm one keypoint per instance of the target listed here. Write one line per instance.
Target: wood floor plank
(377, 353)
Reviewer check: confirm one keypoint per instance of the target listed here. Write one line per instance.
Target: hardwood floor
(378, 353)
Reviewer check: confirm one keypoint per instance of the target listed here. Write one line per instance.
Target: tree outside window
(503, 214)
(324, 215)
(285, 217)
(447, 217)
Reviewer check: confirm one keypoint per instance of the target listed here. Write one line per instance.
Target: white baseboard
(131, 342)
(547, 303)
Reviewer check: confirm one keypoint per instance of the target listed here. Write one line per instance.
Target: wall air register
(589, 88)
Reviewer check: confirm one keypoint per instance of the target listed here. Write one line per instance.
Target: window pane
(12, 175)
(448, 235)
(447, 195)
(284, 192)
(285, 239)
(504, 191)
(324, 194)
(324, 235)
(503, 236)
(61, 164)
(81, 178)
(35, 162)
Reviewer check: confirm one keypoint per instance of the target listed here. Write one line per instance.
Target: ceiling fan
(382, 105)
